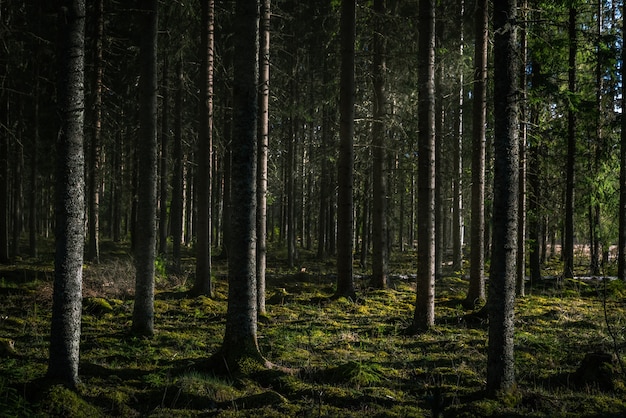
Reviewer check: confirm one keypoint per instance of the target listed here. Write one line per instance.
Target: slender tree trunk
(621, 251)
(164, 168)
(145, 246)
(476, 291)
(379, 197)
(500, 360)
(263, 151)
(425, 302)
(70, 199)
(440, 119)
(176, 211)
(4, 171)
(457, 183)
(568, 239)
(33, 192)
(95, 176)
(203, 284)
(523, 114)
(345, 165)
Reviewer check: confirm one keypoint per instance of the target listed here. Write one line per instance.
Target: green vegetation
(349, 357)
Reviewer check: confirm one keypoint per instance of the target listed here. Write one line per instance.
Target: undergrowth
(353, 357)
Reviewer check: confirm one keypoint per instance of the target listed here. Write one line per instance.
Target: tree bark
(203, 284)
(240, 338)
(145, 245)
(425, 301)
(568, 240)
(500, 361)
(164, 166)
(263, 151)
(621, 251)
(176, 206)
(95, 151)
(345, 164)
(523, 112)
(476, 291)
(70, 199)
(379, 186)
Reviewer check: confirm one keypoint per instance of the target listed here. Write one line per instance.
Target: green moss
(58, 401)
(97, 306)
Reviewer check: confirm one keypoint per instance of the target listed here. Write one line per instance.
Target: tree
(379, 198)
(176, 211)
(523, 134)
(425, 301)
(203, 284)
(476, 291)
(263, 148)
(240, 336)
(145, 247)
(568, 240)
(95, 151)
(500, 304)
(70, 198)
(621, 251)
(345, 163)
(163, 160)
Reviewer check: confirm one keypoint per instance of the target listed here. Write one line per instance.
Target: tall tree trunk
(203, 284)
(345, 164)
(4, 169)
(164, 168)
(33, 192)
(440, 119)
(568, 239)
(240, 338)
(379, 186)
(145, 246)
(594, 209)
(70, 199)
(425, 301)
(263, 151)
(457, 182)
(176, 207)
(621, 251)
(521, 210)
(95, 151)
(476, 291)
(500, 361)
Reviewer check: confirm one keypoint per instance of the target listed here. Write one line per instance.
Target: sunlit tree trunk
(70, 198)
(621, 251)
(476, 291)
(500, 304)
(263, 151)
(457, 182)
(146, 232)
(379, 197)
(203, 284)
(425, 302)
(345, 164)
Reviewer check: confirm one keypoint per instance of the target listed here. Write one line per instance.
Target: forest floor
(353, 357)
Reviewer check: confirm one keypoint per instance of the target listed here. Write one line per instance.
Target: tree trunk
(4, 172)
(500, 361)
(425, 301)
(521, 210)
(70, 199)
(476, 291)
(379, 186)
(95, 151)
(145, 246)
(176, 207)
(164, 168)
(203, 284)
(621, 251)
(345, 164)
(568, 239)
(263, 151)
(457, 182)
